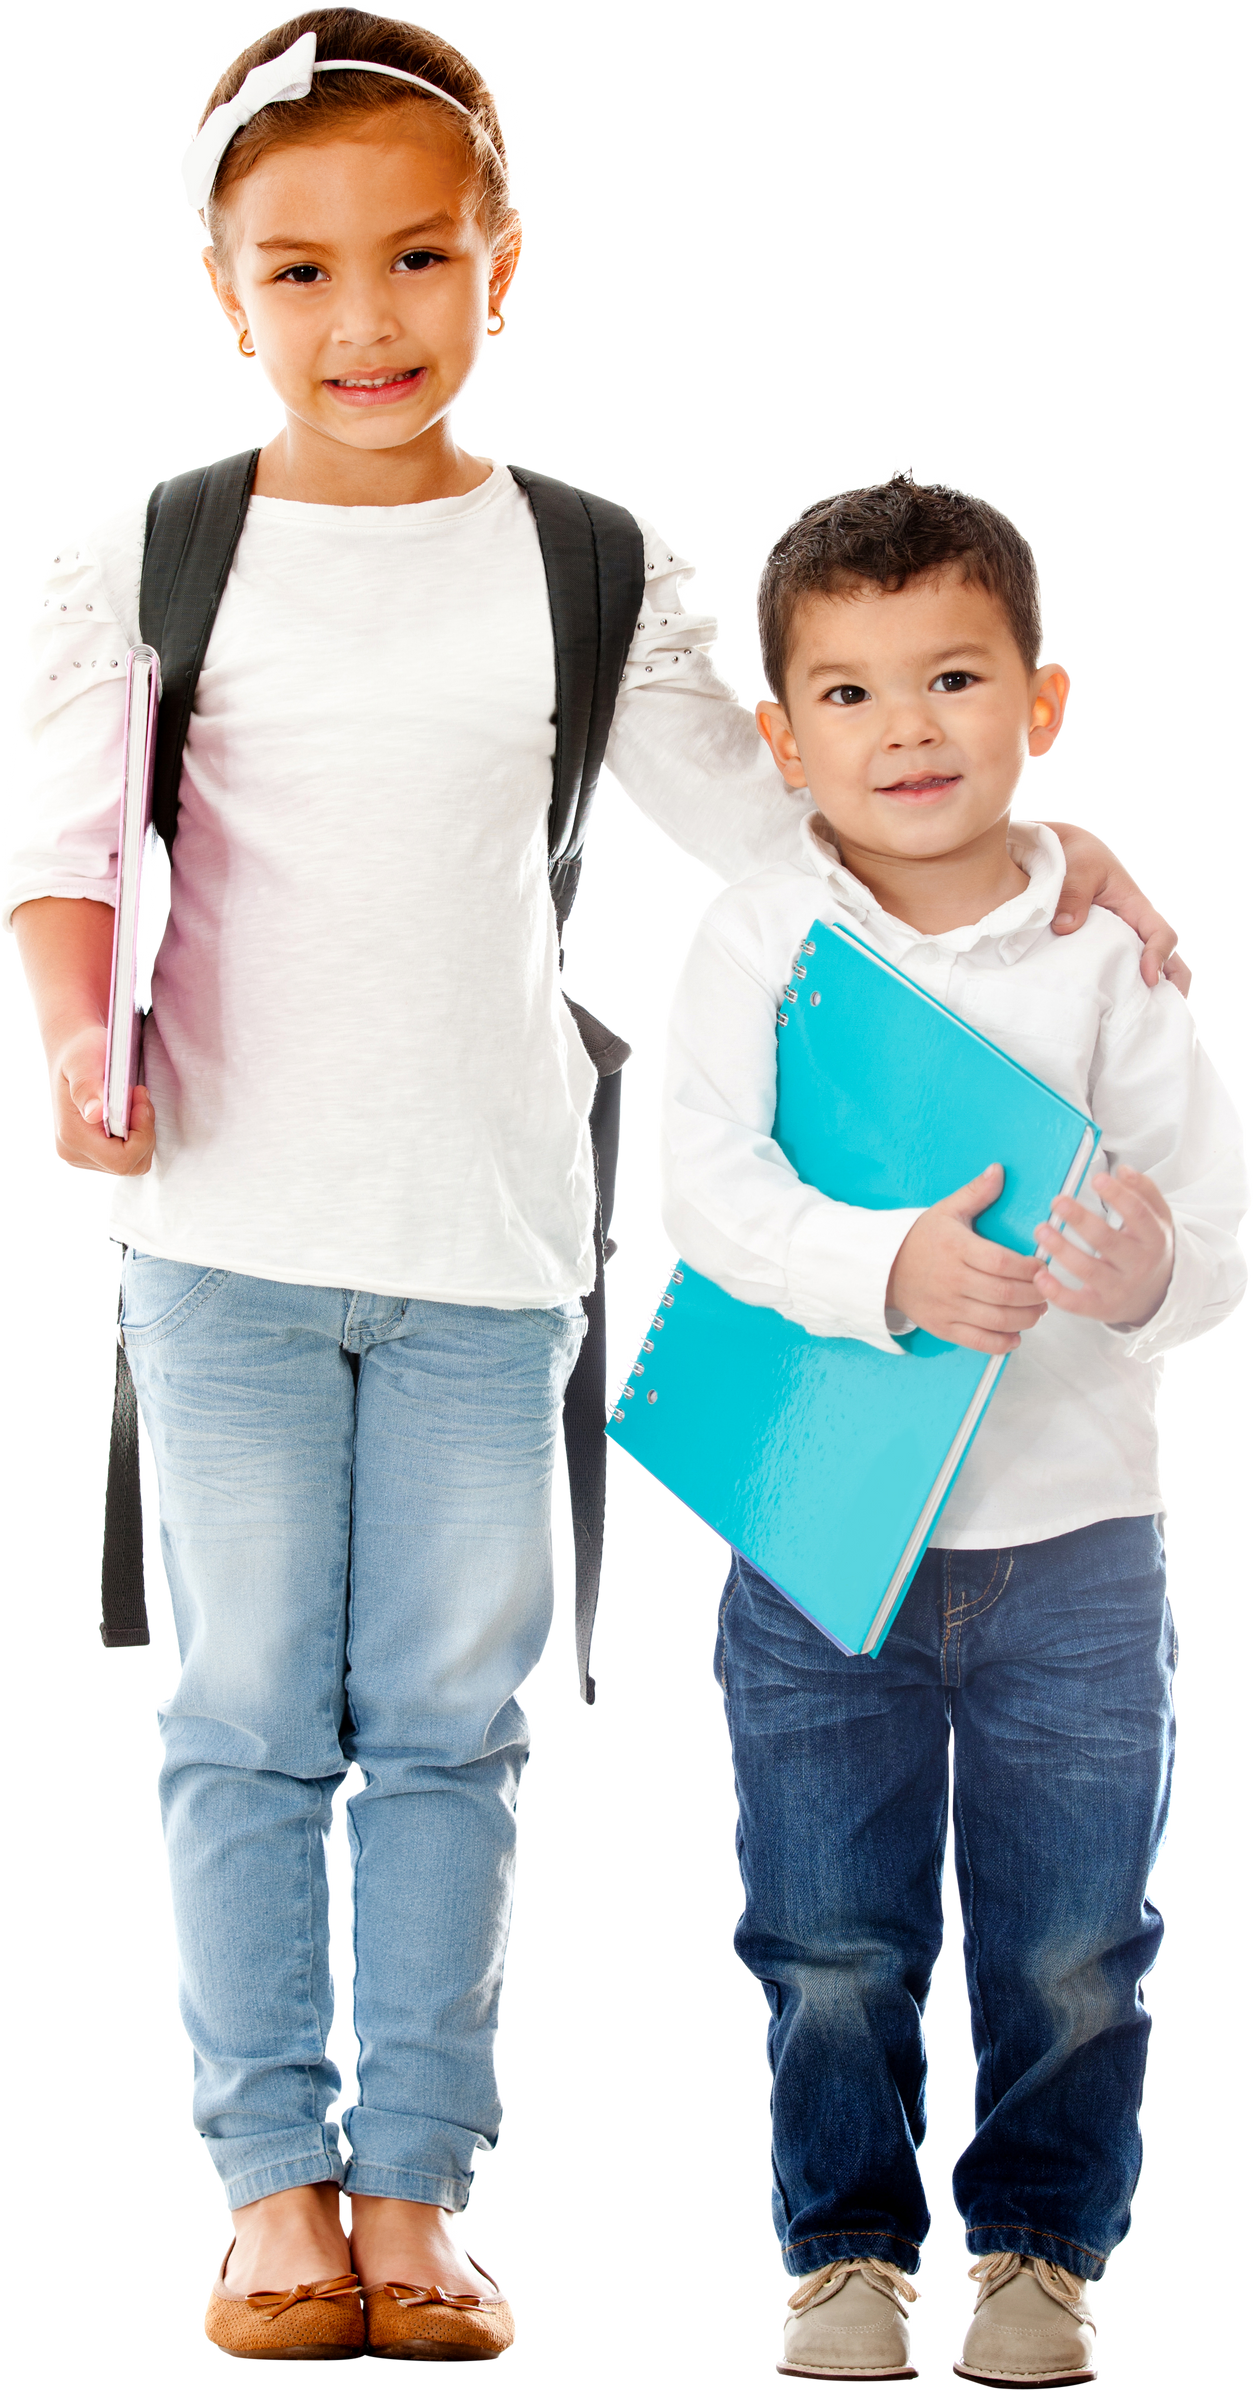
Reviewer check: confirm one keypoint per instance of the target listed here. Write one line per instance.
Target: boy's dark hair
(896, 532)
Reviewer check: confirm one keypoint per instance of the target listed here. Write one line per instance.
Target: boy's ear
(777, 732)
(1050, 688)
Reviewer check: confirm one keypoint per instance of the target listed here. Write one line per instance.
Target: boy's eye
(301, 275)
(415, 261)
(848, 693)
(950, 682)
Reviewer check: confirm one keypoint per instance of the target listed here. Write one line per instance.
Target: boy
(900, 629)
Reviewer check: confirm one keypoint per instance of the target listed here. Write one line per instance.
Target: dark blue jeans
(1050, 1665)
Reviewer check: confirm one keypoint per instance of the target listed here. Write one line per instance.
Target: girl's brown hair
(341, 98)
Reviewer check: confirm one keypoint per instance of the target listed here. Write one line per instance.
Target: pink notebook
(121, 1053)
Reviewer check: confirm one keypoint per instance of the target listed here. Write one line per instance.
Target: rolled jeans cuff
(402, 2182)
(410, 2157)
(832, 2248)
(984, 2240)
(254, 2165)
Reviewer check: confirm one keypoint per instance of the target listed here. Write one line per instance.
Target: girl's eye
(416, 261)
(301, 275)
(951, 682)
(848, 694)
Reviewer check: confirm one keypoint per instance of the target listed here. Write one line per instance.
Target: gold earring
(498, 326)
(242, 350)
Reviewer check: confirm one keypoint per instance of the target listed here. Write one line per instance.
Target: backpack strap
(194, 524)
(593, 556)
(594, 561)
(124, 1616)
(193, 528)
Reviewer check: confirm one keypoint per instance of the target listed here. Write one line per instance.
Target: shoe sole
(434, 2352)
(1025, 2381)
(851, 2373)
(316, 2352)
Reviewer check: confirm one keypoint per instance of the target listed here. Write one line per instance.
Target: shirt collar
(1001, 936)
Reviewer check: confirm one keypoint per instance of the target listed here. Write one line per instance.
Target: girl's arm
(66, 945)
(1094, 876)
(60, 880)
(692, 759)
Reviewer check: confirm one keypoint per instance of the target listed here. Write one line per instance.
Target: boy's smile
(909, 716)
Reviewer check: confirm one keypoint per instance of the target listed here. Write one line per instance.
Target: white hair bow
(287, 78)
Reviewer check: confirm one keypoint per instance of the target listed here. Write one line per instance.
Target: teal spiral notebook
(825, 1462)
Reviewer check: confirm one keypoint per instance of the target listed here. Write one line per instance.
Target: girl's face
(363, 277)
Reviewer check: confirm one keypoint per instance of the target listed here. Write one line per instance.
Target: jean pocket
(157, 1295)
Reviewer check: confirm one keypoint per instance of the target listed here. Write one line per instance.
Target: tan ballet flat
(403, 2320)
(315, 2319)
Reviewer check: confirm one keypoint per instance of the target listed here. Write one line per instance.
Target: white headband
(289, 77)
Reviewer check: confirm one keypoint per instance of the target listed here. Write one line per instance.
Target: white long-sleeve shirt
(363, 1070)
(1069, 1436)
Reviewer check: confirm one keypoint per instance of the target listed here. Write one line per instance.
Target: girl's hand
(1125, 1277)
(78, 1109)
(961, 1286)
(1094, 876)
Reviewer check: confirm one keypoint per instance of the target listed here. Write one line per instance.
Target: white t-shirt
(1069, 1436)
(363, 1069)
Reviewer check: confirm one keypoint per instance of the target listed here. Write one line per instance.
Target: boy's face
(909, 715)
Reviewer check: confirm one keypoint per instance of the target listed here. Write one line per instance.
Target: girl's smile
(377, 390)
(338, 255)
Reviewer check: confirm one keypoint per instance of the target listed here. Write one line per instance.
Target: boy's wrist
(1131, 1327)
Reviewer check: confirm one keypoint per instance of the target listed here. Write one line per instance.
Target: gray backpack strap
(594, 559)
(123, 1613)
(194, 523)
(593, 556)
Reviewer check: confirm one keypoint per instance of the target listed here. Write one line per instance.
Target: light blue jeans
(355, 1517)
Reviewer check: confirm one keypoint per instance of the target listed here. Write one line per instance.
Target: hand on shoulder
(1094, 876)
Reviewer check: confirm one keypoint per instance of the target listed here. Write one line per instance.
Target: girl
(357, 1195)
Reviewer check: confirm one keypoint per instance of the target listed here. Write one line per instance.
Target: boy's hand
(961, 1286)
(1125, 1277)
(78, 1109)
(1094, 876)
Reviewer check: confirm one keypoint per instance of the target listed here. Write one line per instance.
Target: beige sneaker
(1030, 2324)
(846, 2324)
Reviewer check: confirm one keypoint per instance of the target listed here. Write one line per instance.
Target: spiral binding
(638, 1367)
(790, 993)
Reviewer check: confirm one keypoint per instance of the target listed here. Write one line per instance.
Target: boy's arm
(1165, 1117)
(738, 1212)
(691, 758)
(730, 1198)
